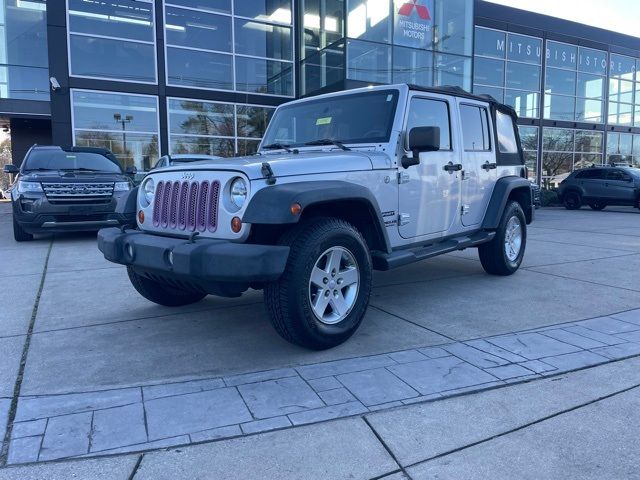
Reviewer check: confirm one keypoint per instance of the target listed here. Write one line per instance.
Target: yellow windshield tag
(324, 121)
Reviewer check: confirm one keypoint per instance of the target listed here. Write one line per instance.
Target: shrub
(549, 198)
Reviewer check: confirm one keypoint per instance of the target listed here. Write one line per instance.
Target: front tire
(323, 295)
(597, 206)
(572, 201)
(503, 255)
(19, 234)
(162, 294)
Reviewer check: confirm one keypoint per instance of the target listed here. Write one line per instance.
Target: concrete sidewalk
(578, 425)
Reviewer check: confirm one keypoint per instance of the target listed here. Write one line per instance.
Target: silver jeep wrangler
(342, 184)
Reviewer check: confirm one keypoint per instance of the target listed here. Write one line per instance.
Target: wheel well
(359, 213)
(522, 195)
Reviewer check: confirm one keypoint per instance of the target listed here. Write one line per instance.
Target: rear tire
(323, 294)
(572, 201)
(597, 206)
(19, 234)
(503, 255)
(162, 294)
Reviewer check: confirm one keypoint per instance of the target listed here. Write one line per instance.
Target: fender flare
(272, 205)
(505, 186)
(128, 203)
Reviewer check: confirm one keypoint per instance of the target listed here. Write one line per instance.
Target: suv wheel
(19, 234)
(162, 294)
(503, 255)
(572, 200)
(322, 297)
(597, 206)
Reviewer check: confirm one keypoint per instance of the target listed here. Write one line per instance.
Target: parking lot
(101, 359)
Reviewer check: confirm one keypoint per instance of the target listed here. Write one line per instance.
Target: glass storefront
(624, 91)
(623, 148)
(126, 124)
(24, 64)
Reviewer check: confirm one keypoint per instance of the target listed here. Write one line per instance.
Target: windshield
(359, 118)
(61, 160)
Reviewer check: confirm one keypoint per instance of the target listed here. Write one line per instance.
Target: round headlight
(148, 191)
(238, 192)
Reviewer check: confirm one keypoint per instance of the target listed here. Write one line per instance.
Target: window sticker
(324, 121)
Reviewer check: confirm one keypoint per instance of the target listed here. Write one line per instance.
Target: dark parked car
(599, 187)
(537, 195)
(173, 160)
(59, 189)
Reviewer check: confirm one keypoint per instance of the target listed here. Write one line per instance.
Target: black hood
(55, 176)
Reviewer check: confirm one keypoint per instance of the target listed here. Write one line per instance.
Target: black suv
(601, 186)
(67, 189)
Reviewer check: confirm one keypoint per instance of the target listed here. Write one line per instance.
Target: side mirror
(131, 170)
(11, 169)
(422, 139)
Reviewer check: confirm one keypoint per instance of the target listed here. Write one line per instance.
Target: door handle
(453, 167)
(489, 166)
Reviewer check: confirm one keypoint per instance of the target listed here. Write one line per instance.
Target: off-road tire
(19, 234)
(288, 301)
(162, 294)
(572, 201)
(597, 206)
(493, 254)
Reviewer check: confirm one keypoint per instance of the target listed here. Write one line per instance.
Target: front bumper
(218, 267)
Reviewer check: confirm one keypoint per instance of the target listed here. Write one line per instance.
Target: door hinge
(403, 177)
(465, 209)
(403, 219)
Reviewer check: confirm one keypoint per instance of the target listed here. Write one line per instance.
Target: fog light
(236, 224)
(141, 216)
(296, 208)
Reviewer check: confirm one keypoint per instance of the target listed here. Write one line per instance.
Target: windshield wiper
(278, 146)
(40, 169)
(79, 169)
(328, 141)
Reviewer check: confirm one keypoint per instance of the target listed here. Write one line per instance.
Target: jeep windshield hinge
(403, 177)
(404, 219)
(267, 173)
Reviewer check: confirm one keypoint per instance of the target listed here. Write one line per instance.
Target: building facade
(149, 77)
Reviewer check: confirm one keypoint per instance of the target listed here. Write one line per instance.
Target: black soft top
(462, 93)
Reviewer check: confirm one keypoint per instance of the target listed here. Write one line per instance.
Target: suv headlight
(238, 192)
(29, 187)
(147, 192)
(122, 187)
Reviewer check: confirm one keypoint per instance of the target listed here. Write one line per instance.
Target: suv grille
(187, 206)
(78, 192)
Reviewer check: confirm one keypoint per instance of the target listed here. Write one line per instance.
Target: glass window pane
(620, 113)
(587, 141)
(506, 133)
(324, 68)
(561, 55)
(487, 71)
(589, 110)
(523, 77)
(201, 118)
(223, 6)
(221, 147)
(413, 23)
(526, 104)
(263, 40)
(557, 107)
(129, 19)
(496, 93)
(621, 91)
(131, 150)
(277, 11)
(199, 69)
(253, 121)
(590, 86)
(189, 28)
(264, 76)
(368, 62)
(621, 67)
(25, 83)
(557, 140)
(412, 66)
(25, 31)
(560, 82)
(529, 138)
(592, 61)
(453, 22)
(524, 49)
(472, 128)
(127, 60)
(247, 147)
(490, 43)
(96, 111)
(586, 160)
(531, 161)
(453, 70)
(431, 113)
(369, 20)
(323, 23)
(556, 167)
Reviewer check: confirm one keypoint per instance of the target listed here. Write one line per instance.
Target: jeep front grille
(187, 206)
(84, 193)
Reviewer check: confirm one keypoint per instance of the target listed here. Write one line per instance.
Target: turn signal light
(296, 208)
(236, 224)
(141, 216)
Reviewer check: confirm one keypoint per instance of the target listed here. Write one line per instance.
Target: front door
(430, 195)
(478, 161)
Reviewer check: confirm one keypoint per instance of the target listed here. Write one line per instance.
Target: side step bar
(399, 258)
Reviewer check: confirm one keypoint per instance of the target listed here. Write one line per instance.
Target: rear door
(591, 181)
(479, 173)
(619, 186)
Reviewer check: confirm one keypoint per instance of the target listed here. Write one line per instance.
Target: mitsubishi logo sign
(407, 9)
